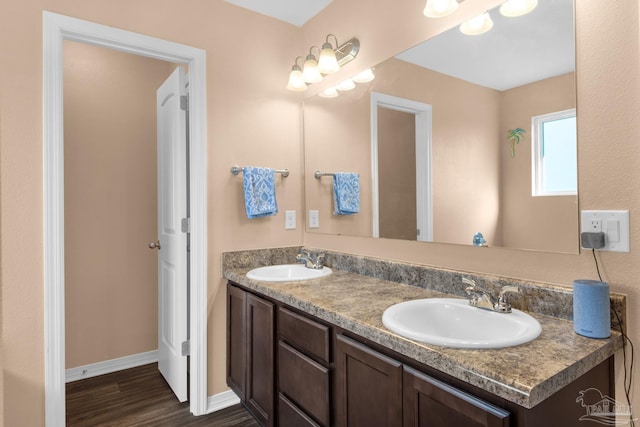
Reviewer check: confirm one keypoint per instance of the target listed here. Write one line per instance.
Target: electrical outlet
(614, 224)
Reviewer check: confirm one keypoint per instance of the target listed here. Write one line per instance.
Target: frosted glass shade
(346, 85)
(332, 92)
(327, 63)
(364, 77)
(310, 72)
(296, 82)
(439, 8)
(478, 25)
(513, 8)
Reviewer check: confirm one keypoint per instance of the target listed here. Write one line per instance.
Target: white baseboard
(109, 366)
(222, 400)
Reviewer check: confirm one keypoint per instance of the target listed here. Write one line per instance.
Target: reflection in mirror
(478, 89)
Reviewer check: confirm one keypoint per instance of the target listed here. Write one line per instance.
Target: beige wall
(111, 278)
(253, 120)
(552, 222)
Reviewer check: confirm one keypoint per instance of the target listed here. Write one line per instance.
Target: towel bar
(318, 174)
(237, 169)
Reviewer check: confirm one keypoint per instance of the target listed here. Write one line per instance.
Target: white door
(172, 253)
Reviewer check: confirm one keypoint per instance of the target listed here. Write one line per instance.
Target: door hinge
(186, 347)
(186, 225)
(184, 102)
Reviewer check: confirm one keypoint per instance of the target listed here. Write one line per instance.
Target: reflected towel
(259, 191)
(346, 193)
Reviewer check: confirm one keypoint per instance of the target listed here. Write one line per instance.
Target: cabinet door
(431, 403)
(368, 386)
(260, 395)
(236, 340)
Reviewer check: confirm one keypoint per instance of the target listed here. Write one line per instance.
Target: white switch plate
(289, 220)
(614, 224)
(314, 219)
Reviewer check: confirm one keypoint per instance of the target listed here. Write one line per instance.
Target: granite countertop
(526, 374)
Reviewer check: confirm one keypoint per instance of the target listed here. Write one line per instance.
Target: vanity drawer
(305, 334)
(289, 415)
(305, 382)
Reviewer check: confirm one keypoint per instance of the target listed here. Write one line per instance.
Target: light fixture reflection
(478, 25)
(296, 81)
(440, 8)
(513, 8)
(332, 92)
(346, 85)
(310, 72)
(364, 77)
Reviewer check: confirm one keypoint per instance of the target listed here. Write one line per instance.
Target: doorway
(420, 159)
(56, 29)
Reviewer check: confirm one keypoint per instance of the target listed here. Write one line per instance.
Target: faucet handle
(503, 300)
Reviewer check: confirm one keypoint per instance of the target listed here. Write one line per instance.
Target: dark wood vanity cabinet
(250, 352)
(292, 370)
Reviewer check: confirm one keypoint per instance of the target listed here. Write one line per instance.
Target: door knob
(154, 245)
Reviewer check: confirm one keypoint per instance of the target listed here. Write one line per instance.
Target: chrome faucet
(482, 298)
(310, 260)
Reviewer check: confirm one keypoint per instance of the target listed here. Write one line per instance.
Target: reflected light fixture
(440, 8)
(310, 72)
(346, 85)
(513, 8)
(328, 63)
(364, 76)
(478, 25)
(332, 92)
(296, 82)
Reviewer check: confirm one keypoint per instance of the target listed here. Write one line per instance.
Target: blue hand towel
(259, 192)
(346, 193)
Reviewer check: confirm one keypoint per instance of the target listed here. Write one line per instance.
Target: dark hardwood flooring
(139, 397)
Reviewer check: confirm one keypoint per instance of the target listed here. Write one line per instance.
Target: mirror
(452, 100)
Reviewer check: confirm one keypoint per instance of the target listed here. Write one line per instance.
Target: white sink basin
(287, 272)
(452, 322)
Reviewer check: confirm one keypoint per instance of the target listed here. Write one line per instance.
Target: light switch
(314, 219)
(289, 220)
(614, 224)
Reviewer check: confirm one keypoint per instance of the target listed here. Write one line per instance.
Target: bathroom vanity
(315, 353)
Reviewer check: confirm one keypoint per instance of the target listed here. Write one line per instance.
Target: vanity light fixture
(478, 25)
(296, 81)
(310, 72)
(330, 61)
(364, 76)
(440, 8)
(513, 8)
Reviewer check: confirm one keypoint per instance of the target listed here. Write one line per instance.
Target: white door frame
(424, 189)
(56, 29)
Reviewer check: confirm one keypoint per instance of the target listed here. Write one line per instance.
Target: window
(555, 160)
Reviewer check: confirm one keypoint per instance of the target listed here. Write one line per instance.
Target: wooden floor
(139, 397)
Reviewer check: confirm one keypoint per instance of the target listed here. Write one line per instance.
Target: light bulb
(310, 72)
(364, 77)
(478, 25)
(327, 63)
(439, 8)
(513, 8)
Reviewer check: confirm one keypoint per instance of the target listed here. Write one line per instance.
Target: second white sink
(287, 272)
(452, 322)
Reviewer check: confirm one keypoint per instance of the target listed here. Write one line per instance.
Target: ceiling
(514, 52)
(295, 12)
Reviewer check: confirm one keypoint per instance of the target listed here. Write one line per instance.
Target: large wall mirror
(429, 137)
